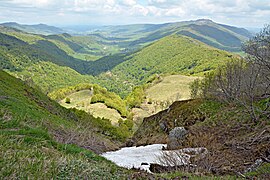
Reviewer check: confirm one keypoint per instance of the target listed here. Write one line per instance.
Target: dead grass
(173, 87)
(81, 100)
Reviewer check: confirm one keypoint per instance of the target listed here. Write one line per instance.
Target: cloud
(129, 2)
(242, 12)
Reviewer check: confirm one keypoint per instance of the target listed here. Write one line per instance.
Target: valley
(68, 96)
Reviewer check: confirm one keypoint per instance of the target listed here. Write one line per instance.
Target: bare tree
(244, 81)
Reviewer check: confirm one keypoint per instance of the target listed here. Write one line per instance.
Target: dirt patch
(234, 142)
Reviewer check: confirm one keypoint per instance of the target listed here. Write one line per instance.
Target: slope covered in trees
(174, 54)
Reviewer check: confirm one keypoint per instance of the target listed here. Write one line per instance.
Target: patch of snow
(141, 157)
(130, 157)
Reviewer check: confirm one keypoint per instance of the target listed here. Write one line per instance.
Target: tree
(258, 48)
(245, 82)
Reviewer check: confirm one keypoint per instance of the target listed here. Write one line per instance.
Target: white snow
(129, 157)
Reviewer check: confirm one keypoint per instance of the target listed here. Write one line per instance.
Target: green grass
(41, 139)
(25, 156)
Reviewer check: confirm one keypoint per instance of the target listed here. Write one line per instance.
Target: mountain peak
(205, 21)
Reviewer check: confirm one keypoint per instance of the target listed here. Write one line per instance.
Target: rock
(144, 164)
(130, 143)
(177, 137)
(163, 148)
(164, 126)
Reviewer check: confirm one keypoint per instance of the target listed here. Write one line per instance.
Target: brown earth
(233, 140)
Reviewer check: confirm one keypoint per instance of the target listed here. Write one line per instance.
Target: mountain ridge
(36, 28)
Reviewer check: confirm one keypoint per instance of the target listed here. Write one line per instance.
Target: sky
(242, 13)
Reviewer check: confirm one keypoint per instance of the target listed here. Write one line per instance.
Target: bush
(67, 100)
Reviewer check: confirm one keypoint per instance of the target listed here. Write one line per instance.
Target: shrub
(67, 100)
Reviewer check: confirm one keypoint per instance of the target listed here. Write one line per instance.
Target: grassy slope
(107, 104)
(161, 94)
(33, 130)
(173, 87)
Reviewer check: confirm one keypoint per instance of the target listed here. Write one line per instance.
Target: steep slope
(38, 60)
(41, 139)
(234, 142)
(36, 29)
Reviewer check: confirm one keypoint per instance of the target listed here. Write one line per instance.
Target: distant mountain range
(35, 29)
(132, 37)
(217, 35)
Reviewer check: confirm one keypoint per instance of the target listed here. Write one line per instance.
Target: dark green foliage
(222, 37)
(106, 63)
(75, 47)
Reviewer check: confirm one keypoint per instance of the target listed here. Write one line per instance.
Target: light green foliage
(136, 97)
(194, 88)
(67, 100)
(49, 77)
(110, 99)
(63, 92)
(100, 94)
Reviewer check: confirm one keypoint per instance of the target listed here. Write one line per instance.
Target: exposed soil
(234, 142)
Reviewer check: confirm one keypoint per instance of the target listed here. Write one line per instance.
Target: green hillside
(44, 59)
(174, 54)
(41, 139)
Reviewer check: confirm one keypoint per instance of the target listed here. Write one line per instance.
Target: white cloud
(33, 3)
(242, 12)
(129, 2)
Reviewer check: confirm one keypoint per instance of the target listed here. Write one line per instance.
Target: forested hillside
(43, 56)
(174, 54)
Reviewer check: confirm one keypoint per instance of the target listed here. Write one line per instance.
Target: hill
(41, 139)
(35, 29)
(217, 35)
(175, 54)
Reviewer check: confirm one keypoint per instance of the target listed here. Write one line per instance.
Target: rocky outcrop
(176, 138)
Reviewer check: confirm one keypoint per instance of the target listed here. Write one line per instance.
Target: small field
(171, 88)
(158, 97)
(81, 100)
(161, 95)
